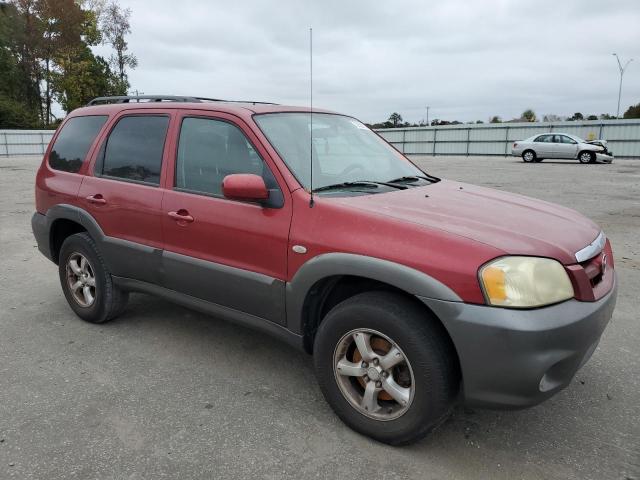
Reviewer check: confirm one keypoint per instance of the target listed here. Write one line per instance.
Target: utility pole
(622, 69)
(428, 115)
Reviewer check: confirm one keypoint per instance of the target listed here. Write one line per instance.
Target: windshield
(344, 150)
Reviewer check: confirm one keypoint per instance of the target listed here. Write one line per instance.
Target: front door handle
(96, 199)
(181, 216)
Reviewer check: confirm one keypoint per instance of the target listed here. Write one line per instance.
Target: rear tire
(86, 281)
(426, 372)
(529, 156)
(586, 157)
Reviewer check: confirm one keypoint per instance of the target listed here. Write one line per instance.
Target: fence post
(404, 139)
(6, 144)
(600, 132)
(42, 142)
(506, 142)
(468, 136)
(435, 133)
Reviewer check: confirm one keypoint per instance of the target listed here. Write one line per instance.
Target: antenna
(311, 114)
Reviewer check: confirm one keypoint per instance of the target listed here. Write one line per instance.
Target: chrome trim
(592, 249)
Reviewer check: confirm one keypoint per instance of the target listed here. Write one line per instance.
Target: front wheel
(587, 157)
(529, 156)
(386, 366)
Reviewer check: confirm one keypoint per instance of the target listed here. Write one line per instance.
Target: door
(228, 252)
(566, 147)
(543, 146)
(124, 195)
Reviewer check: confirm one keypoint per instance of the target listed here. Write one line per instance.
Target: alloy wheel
(81, 280)
(373, 374)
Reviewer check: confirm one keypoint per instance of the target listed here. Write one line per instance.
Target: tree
(395, 119)
(576, 116)
(529, 115)
(607, 116)
(592, 117)
(632, 112)
(551, 117)
(495, 119)
(115, 27)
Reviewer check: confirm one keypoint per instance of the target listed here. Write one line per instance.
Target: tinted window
(134, 148)
(72, 145)
(209, 150)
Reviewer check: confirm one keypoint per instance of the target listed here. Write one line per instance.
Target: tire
(529, 156)
(586, 157)
(96, 299)
(429, 369)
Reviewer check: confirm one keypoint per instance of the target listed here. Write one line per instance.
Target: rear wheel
(586, 157)
(386, 366)
(86, 281)
(529, 156)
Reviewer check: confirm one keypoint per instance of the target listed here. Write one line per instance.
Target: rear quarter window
(70, 148)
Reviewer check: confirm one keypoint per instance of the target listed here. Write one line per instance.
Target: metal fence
(24, 142)
(623, 137)
(473, 139)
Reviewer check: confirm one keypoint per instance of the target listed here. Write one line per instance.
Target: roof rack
(163, 98)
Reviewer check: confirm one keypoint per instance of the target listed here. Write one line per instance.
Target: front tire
(386, 366)
(86, 281)
(529, 156)
(586, 157)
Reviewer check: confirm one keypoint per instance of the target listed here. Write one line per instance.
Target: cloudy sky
(468, 59)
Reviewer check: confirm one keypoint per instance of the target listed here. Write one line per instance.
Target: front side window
(565, 139)
(343, 149)
(72, 145)
(134, 149)
(209, 150)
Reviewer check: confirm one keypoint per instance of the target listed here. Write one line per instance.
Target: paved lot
(167, 393)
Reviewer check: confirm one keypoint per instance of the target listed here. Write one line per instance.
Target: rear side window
(134, 148)
(70, 148)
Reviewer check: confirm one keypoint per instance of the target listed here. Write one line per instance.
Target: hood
(515, 224)
(602, 143)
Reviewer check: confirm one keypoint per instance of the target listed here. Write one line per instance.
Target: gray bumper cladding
(519, 358)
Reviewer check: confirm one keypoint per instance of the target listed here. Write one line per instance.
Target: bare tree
(115, 27)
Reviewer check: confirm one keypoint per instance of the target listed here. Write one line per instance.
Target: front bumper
(518, 358)
(604, 158)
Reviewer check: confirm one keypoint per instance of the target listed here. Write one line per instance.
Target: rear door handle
(181, 216)
(96, 199)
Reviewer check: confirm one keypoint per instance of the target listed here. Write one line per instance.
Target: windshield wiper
(358, 183)
(414, 178)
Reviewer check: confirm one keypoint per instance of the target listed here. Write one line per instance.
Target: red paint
(244, 186)
(447, 230)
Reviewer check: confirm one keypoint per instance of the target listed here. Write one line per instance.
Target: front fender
(400, 276)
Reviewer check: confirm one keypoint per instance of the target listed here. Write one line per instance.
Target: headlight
(524, 282)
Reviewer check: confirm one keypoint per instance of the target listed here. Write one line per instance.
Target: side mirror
(244, 186)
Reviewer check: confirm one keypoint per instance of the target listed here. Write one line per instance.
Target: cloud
(468, 59)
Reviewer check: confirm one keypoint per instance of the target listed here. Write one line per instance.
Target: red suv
(410, 291)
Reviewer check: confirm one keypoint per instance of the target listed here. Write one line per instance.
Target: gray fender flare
(326, 265)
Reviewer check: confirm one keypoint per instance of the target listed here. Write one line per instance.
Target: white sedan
(562, 145)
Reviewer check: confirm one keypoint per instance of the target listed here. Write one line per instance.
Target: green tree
(18, 102)
(495, 119)
(115, 27)
(395, 119)
(84, 76)
(529, 115)
(632, 112)
(592, 117)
